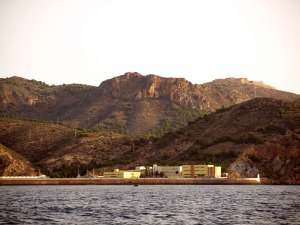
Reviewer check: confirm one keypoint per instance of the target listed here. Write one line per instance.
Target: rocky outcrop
(213, 95)
(243, 167)
(12, 164)
(239, 81)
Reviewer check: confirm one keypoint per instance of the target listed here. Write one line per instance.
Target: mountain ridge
(126, 102)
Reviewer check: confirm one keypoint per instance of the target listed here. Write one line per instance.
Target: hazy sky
(88, 41)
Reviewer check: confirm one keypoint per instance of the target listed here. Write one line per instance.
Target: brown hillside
(131, 103)
(259, 136)
(50, 145)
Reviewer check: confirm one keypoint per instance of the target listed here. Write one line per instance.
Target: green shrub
(280, 112)
(251, 138)
(227, 154)
(222, 139)
(223, 109)
(127, 107)
(272, 128)
(83, 134)
(165, 156)
(202, 143)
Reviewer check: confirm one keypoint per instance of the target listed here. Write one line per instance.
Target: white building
(168, 171)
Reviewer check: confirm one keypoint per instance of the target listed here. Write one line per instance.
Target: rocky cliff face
(276, 161)
(13, 164)
(209, 96)
(134, 86)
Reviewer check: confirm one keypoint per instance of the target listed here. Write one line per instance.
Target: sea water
(150, 204)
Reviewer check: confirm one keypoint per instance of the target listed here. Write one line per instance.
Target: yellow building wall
(115, 174)
(201, 170)
(186, 171)
(122, 174)
(131, 174)
(111, 175)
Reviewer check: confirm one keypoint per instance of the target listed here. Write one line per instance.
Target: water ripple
(149, 204)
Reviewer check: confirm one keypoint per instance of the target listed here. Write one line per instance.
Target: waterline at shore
(136, 181)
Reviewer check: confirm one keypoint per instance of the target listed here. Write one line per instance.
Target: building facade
(168, 171)
(122, 174)
(218, 171)
(201, 171)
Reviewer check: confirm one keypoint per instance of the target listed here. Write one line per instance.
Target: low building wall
(120, 181)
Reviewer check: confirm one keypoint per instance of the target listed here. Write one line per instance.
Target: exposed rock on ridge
(134, 86)
(130, 102)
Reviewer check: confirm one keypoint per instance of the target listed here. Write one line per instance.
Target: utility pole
(78, 174)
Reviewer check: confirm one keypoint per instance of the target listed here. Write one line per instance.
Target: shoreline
(129, 181)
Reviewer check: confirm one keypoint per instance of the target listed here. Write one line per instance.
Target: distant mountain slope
(131, 103)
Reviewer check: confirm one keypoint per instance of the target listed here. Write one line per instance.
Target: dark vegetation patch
(250, 138)
(272, 128)
(113, 127)
(180, 115)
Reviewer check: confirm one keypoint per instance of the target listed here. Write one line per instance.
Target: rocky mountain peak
(134, 86)
(129, 75)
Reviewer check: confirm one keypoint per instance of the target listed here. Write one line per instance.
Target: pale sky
(89, 41)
